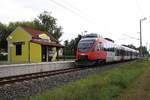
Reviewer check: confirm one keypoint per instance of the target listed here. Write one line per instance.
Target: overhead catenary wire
(138, 6)
(76, 9)
(75, 12)
(131, 37)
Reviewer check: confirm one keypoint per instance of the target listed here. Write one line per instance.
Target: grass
(104, 86)
(139, 89)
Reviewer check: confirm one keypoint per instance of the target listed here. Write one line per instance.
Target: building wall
(20, 58)
(19, 35)
(31, 52)
(35, 52)
(54, 54)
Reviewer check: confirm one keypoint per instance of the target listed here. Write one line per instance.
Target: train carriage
(94, 49)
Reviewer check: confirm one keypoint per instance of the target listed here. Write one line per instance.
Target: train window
(85, 45)
(110, 48)
(97, 47)
(105, 46)
(101, 46)
(108, 45)
(117, 52)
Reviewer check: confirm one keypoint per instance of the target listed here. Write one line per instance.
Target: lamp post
(141, 54)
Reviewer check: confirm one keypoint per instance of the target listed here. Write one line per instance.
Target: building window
(18, 49)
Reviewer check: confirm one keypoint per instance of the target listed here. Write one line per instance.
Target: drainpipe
(9, 52)
(29, 51)
(57, 54)
(47, 53)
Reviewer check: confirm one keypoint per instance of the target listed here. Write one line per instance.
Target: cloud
(110, 18)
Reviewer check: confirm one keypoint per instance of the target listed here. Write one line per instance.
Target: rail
(20, 78)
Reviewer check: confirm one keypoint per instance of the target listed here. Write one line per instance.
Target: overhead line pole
(140, 38)
(141, 54)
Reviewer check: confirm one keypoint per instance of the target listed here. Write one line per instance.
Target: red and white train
(94, 49)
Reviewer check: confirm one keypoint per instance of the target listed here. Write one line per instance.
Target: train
(93, 49)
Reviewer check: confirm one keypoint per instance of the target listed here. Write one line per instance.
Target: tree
(47, 23)
(4, 32)
(71, 46)
(66, 49)
(66, 43)
(13, 25)
(131, 46)
(44, 22)
(77, 39)
(144, 50)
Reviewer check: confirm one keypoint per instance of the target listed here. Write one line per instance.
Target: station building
(27, 45)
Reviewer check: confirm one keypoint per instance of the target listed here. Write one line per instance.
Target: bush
(3, 57)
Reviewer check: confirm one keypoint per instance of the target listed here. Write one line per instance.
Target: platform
(19, 69)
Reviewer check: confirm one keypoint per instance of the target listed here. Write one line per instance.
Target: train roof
(91, 35)
(129, 49)
(88, 39)
(108, 39)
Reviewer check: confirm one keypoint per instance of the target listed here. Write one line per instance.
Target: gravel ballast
(20, 90)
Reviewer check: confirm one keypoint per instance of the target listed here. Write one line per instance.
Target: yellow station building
(27, 45)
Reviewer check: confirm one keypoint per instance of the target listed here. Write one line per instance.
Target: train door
(122, 53)
(110, 52)
(99, 49)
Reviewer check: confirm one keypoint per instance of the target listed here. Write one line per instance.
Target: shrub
(3, 57)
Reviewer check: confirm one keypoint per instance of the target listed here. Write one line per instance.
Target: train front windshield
(85, 45)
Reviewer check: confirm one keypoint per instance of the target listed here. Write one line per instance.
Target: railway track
(26, 77)
(20, 78)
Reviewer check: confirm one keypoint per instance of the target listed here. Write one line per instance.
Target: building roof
(45, 42)
(35, 33)
(36, 39)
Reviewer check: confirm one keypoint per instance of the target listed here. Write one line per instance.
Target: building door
(50, 53)
(44, 54)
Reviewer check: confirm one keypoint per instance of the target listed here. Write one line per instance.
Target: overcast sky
(116, 19)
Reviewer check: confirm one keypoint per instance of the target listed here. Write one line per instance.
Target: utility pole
(141, 54)
(140, 38)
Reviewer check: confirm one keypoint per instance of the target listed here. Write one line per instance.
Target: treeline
(143, 48)
(44, 22)
(71, 46)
